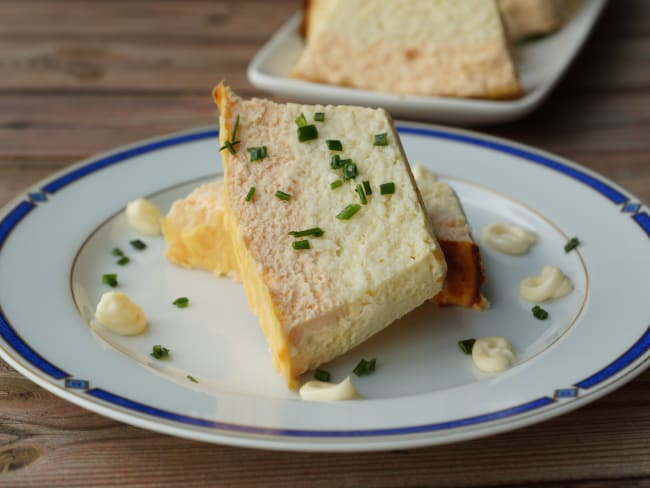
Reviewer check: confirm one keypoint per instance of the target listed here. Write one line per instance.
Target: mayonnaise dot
(493, 354)
(321, 391)
(118, 313)
(551, 283)
(144, 216)
(508, 238)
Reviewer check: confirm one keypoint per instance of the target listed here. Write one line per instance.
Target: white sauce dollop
(118, 313)
(144, 216)
(493, 354)
(509, 238)
(552, 283)
(321, 391)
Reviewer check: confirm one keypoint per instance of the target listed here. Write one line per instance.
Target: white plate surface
(540, 64)
(56, 242)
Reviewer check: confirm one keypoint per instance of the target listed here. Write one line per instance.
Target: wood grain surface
(78, 77)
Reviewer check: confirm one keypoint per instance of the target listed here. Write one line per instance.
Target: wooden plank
(121, 66)
(168, 20)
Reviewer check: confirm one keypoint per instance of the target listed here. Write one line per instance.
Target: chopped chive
(380, 139)
(364, 368)
(160, 352)
(539, 312)
(319, 117)
(192, 378)
(110, 279)
(307, 133)
(334, 145)
(349, 211)
(349, 170)
(314, 231)
(467, 345)
(304, 244)
(257, 153)
(230, 145)
(336, 162)
(387, 188)
(366, 187)
(249, 195)
(117, 252)
(181, 302)
(282, 195)
(301, 121)
(122, 261)
(572, 244)
(138, 244)
(233, 136)
(361, 193)
(322, 375)
(335, 184)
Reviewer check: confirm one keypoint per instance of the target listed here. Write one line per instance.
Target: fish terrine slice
(409, 47)
(196, 237)
(465, 272)
(364, 271)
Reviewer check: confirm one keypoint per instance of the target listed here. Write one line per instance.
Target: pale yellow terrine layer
(412, 47)
(363, 273)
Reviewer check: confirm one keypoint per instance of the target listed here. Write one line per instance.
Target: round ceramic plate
(218, 385)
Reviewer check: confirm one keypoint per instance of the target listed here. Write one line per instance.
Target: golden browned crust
(465, 276)
(304, 26)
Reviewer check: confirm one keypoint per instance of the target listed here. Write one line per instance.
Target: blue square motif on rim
(566, 393)
(76, 384)
(631, 207)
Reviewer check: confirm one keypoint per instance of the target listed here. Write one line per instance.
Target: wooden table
(78, 77)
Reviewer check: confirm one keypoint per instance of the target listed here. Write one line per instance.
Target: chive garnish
(301, 120)
(192, 378)
(138, 244)
(539, 312)
(380, 139)
(365, 367)
(282, 195)
(336, 184)
(257, 153)
(304, 244)
(230, 145)
(349, 211)
(160, 352)
(314, 231)
(387, 188)
(334, 145)
(307, 133)
(349, 170)
(249, 195)
(336, 162)
(233, 136)
(467, 345)
(361, 193)
(319, 117)
(322, 375)
(117, 252)
(572, 244)
(110, 279)
(122, 261)
(181, 302)
(366, 187)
